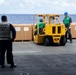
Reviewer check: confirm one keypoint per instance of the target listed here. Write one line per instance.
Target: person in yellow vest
(67, 20)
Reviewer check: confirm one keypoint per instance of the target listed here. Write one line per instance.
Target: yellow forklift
(54, 31)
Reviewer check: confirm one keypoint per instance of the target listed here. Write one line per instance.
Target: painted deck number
(24, 73)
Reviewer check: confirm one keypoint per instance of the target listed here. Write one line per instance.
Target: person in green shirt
(40, 26)
(67, 20)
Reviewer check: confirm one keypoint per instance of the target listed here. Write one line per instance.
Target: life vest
(40, 25)
(4, 31)
(67, 21)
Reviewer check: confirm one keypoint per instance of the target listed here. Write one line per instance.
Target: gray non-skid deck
(32, 59)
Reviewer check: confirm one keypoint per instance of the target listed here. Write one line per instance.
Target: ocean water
(29, 18)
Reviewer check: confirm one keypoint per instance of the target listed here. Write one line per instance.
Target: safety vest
(40, 25)
(4, 31)
(67, 21)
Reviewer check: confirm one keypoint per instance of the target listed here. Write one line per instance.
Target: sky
(37, 6)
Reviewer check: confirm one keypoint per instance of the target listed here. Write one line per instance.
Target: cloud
(2, 1)
(21, 5)
(37, 6)
(65, 4)
(56, 2)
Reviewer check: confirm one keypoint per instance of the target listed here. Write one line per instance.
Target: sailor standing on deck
(39, 26)
(67, 20)
(6, 42)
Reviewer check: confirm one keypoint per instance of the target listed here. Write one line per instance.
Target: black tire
(46, 41)
(63, 41)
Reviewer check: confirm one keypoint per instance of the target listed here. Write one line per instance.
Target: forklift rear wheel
(46, 41)
(63, 41)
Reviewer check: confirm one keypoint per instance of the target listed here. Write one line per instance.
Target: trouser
(6, 46)
(40, 31)
(68, 33)
(0, 55)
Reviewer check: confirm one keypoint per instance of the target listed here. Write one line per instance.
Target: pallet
(22, 40)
